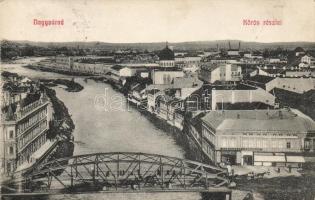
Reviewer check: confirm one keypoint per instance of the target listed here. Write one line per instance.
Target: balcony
(31, 108)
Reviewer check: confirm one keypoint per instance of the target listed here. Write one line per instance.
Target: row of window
(31, 121)
(167, 64)
(30, 107)
(236, 73)
(26, 154)
(227, 142)
(167, 79)
(210, 152)
(266, 134)
(208, 135)
(32, 134)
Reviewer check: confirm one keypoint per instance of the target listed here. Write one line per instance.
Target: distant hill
(195, 45)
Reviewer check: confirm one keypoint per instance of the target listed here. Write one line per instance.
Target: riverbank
(60, 128)
(274, 191)
(59, 133)
(49, 69)
(182, 139)
(281, 188)
(62, 124)
(71, 85)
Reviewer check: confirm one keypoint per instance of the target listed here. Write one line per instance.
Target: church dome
(166, 54)
(299, 49)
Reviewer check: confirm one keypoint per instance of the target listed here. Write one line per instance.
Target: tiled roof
(117, 67)
(274, 71)
(180, 82)
(261, 79)
(186, 82)
(209, 66)
(258, 120)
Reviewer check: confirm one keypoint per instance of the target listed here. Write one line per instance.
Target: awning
(269, 158)
(295, 159)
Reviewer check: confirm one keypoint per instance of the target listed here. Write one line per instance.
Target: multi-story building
(220, 72)
(188, 62)
(165, 77)
(169, 103)
(180, 88)
(256, 137)
(298, 85)
(230, 97)
(309, 60)
(271, 71)
(24, 128)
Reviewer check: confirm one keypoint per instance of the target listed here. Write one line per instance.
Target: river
(105, 123)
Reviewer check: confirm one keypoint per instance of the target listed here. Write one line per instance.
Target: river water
(105, 123)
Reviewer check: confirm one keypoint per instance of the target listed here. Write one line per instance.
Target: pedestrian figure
(249, 196)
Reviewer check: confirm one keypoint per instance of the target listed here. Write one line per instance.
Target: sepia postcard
(157, 99)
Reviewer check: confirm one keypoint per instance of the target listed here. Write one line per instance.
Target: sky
(121, 21)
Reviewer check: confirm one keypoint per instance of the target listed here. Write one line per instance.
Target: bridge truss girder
(122, 171)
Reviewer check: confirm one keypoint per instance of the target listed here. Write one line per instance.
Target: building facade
(165, 77)
(309, 60)
(24, 131)
(220, 72)
(256, 137)
(298, 85)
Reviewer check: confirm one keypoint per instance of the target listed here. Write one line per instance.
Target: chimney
(229, 45)
(239, 45)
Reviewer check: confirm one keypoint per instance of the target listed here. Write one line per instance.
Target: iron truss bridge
(119, 172)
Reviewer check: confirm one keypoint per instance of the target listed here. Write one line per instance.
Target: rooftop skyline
(143, 21)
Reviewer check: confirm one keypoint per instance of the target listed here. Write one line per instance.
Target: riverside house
(167, 101)
(220, 97)
(24, 126)
(257, 137)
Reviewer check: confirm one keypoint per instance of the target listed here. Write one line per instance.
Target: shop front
(269, 159)
(229, 157)
(247, 158)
